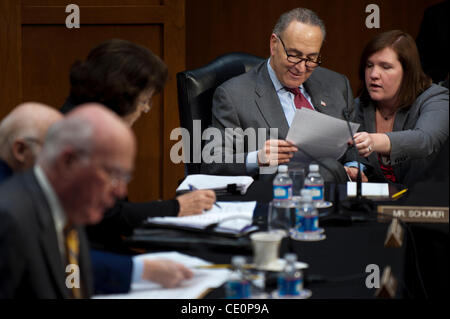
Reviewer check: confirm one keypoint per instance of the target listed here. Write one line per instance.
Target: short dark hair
(302, 15)
(414, 81)
(115, 73)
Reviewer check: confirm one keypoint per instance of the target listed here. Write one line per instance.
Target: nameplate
(388, 286)
(414, 214)
(394, 237)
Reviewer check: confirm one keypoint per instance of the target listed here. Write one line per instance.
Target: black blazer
(31, 265)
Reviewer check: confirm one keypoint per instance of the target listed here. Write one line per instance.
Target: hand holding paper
(320, 135)
(276, 152)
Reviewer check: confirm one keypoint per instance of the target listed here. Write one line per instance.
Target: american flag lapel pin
(323, 103)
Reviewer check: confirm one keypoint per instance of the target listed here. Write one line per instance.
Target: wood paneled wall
(214, 27)
(37, 51)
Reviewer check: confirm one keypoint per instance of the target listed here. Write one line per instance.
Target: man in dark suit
(267, 96)
(79, 174)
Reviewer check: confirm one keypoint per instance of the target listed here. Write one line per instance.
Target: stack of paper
(231, 217)
(195, 287)
(215, 182)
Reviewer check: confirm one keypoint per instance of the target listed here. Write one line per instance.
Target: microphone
(359, 203)
(338, 217)
(358, 176)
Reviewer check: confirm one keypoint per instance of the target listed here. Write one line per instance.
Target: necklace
(388, 116)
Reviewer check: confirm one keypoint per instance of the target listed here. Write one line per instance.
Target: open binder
(232, 219)
(222, 185)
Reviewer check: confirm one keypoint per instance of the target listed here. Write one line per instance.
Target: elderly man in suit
(267, 96)
(78, 175)
(22, 134)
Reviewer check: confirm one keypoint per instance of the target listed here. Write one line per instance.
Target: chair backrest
(196, 89)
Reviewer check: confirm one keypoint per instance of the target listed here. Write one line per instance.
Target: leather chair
(196, 89)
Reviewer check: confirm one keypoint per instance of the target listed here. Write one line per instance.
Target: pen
(193, 188)
(217, 266)
(220, 266)
(397, 195)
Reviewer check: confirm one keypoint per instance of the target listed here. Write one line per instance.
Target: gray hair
(72, 132)
(302, 15)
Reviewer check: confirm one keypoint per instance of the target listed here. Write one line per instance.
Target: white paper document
(318, 134)
(368, 189)
(232, 217)
(202, 280)
(216, 182)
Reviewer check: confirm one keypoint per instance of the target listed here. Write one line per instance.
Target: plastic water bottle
(238, 286)
(282, 184)
(314, 182)
(290, 281)
(307, 215)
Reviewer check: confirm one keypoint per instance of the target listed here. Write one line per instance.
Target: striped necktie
(299, 99)
(72, 252)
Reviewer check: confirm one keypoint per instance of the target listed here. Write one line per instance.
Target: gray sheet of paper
(319, 134)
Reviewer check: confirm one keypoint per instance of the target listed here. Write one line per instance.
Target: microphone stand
(336, 217)
(343, 212)
(359, 203)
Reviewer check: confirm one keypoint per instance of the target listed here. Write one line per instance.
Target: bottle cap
(290, 257)
(237, 261)
(282, 169)
(313, 168)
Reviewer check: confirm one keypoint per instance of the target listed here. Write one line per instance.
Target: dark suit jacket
(31, 265)
(419, 134)
(5, 171)
(250, 101)
(30, 261)
(112, 272)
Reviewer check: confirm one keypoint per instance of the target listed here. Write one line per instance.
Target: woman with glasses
(403, 116)
(124, 76)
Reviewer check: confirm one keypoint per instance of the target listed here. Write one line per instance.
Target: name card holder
(394, 237)
(388, 285)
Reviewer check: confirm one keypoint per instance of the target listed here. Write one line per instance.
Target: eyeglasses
(33, 144)
(33, 140)
(115, 175)
(146, 105)
(296, 59)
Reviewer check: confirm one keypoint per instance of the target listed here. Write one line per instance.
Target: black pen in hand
(193, 188)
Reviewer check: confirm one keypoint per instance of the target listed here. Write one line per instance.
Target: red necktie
(299, 99)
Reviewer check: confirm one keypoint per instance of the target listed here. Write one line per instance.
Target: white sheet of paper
(234, 215)
(202, 181)
(369, 189)
(193, 288)
(319, 134)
